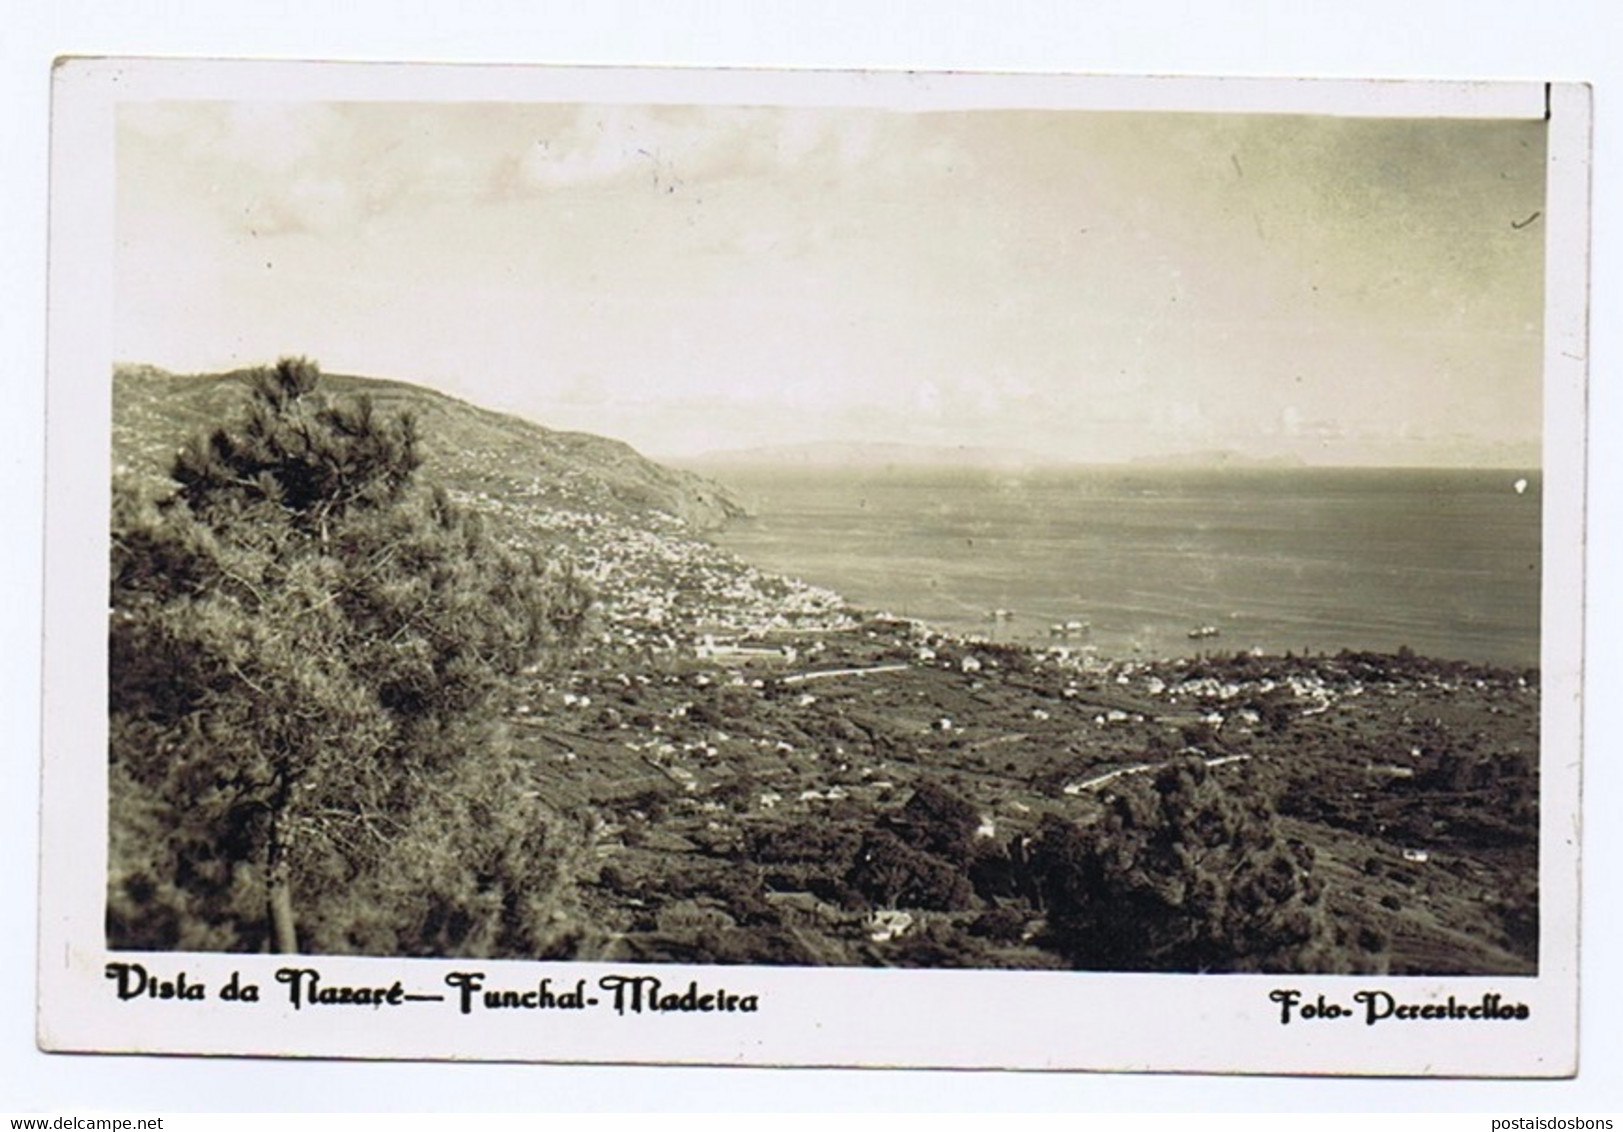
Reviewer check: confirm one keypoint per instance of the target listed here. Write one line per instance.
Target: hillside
(467, 448)
(742, 795)
(766, 776)
(632, 529)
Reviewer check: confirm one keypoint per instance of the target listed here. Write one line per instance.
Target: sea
(1159, 562)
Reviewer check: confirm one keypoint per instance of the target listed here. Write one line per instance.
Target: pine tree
(303, 647)
(938, 821)
(1182, 874)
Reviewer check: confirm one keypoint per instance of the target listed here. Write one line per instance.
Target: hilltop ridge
(632, 529)
(466, 447)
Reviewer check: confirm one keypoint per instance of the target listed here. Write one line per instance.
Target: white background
(1555, 41)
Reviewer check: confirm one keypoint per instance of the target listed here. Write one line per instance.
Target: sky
(1072, 285)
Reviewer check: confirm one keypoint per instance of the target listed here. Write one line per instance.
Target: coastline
(725, 711)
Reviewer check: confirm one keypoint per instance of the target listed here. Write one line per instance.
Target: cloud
(672, 147)
(275, 137)
(310, 204)
(602, 143)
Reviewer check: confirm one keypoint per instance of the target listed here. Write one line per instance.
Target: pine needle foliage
(1183, 873)
(304, 646)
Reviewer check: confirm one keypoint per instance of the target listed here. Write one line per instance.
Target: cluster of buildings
(658, 587)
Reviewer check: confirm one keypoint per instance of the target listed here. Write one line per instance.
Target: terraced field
(734, 798)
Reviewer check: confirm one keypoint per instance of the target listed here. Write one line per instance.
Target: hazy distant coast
(867, 454)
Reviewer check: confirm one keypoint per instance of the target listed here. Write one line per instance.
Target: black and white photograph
(733, 548)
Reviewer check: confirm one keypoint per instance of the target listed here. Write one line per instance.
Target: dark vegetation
(353, 714)
(304, 648)
(1315, 840)
(463, 448)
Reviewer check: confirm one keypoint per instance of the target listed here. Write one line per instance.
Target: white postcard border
(806, 1017)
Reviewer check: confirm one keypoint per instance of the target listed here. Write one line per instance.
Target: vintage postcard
(844, 569)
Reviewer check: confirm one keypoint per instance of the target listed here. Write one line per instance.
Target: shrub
(937, 821)
(1000, 925)
(893, 874)
(805, 842)
(1181, 874)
